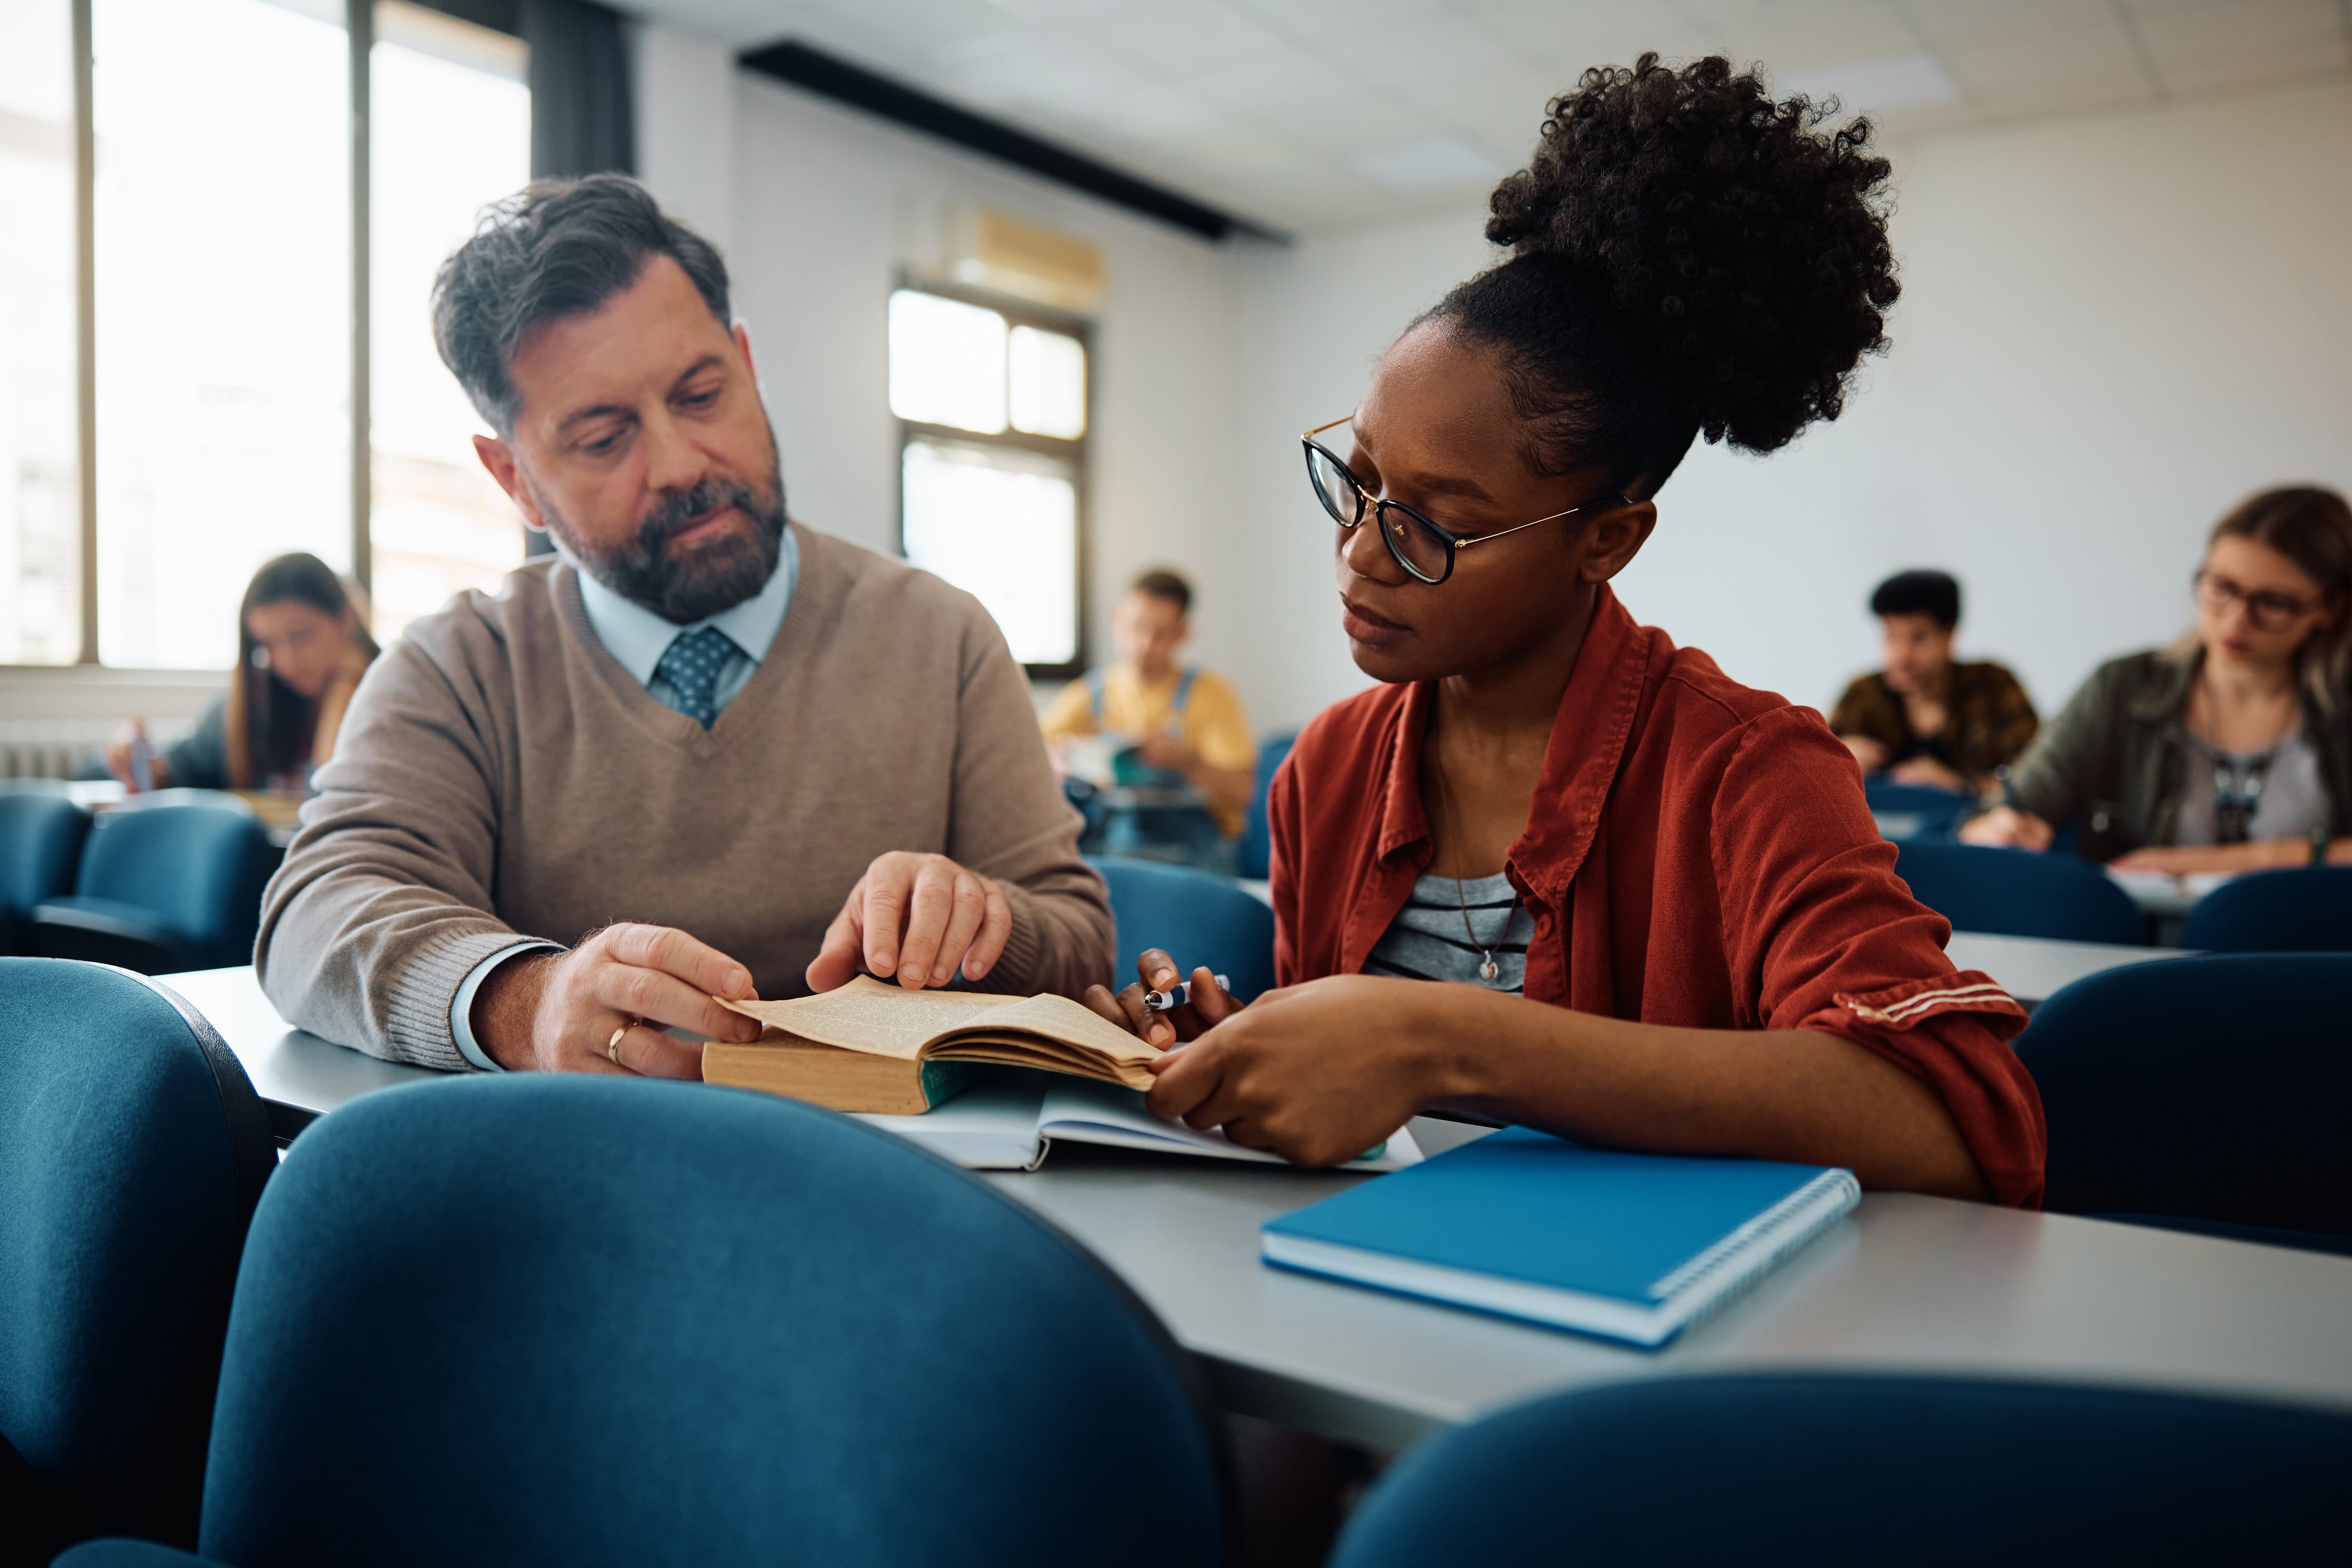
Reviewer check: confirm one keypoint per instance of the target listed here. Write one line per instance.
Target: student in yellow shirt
(1185, 722)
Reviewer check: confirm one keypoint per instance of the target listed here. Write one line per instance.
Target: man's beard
(715, 577)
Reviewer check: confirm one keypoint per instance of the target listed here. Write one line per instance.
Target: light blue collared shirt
(637, 637)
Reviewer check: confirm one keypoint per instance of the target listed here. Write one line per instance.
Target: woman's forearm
(1789, 1094)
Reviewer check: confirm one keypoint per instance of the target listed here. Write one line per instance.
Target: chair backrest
(2201, 1088)
(1199, 919)
(131, 1152)
(2306, 909)
(2013, 892)
(1791, 1469)
(604, 1321)
(199, 867)
(1254, 852)
(40, 843)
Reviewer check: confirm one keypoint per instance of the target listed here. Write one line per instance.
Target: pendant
(1488, 970)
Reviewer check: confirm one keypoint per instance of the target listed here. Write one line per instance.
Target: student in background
(302, 646)
(2231, 750)
(1187, 724)
(1677, 874)
(1925, 718)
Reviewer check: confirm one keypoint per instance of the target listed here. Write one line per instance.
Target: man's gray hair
(556, 249)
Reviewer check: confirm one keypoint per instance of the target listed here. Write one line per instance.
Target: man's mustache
(677, 511)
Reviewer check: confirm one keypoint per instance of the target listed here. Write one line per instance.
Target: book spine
(1725, 1272)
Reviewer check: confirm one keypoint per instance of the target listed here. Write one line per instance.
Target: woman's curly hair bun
(1741, 246)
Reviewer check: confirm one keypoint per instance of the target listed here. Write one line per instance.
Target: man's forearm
(1790, 1094)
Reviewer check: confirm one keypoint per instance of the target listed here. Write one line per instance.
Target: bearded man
(702, 751)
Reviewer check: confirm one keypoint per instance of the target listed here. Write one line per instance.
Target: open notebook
(1011, 1120)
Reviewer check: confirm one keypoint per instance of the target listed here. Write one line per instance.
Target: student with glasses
(1554, 867)
(2231, 750)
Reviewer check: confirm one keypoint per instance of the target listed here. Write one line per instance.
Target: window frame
(1017, 312)
(359, 30)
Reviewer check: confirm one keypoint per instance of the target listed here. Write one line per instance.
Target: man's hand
(1209, 1008)
(1870, 754)
(557, 1012)
(1317, 1073)
(1927, 771)
(918, 917)
(2006, 827)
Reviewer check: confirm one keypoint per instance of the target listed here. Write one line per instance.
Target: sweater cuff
(1016, 967)
(461, 1011)
(417, 1021)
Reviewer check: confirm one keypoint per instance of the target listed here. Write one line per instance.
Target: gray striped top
(1427, 939)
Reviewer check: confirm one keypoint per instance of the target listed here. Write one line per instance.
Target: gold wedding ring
(613, 1045)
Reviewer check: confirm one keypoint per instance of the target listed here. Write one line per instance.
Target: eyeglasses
(1420, 546)
(2266, 610)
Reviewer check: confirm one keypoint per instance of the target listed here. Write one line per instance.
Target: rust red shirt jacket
(1698, 854)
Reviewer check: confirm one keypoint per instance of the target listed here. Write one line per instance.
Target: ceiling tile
(2201, 44)
(1182, 37)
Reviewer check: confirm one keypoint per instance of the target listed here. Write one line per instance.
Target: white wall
(2110, 330)
(827, 206)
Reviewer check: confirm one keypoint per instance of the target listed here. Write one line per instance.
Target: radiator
(55, 747)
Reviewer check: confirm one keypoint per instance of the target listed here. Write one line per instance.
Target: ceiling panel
(1312, 114)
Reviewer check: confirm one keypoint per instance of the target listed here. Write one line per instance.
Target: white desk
(2034, 968)
(1906, 1283)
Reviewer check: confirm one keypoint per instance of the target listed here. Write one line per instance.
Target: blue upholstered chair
(1197, 918)
(1254, 853)
(2010, 893)
(1828, 1470)
(40, 844)
(2308, 909)
(1905, 811)
(2204, 1094)
(131, 1152)
(603, 1320)
(164, 887)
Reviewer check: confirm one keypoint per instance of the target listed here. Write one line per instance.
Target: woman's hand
(1317, 1073)
(1928, 772)
(1869, 754)
(2006, 827)
(1210, 1006)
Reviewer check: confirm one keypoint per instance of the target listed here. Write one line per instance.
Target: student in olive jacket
(2231, 750)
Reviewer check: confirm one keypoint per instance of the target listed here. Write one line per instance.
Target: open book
(1011, 1120)
(869, 1047)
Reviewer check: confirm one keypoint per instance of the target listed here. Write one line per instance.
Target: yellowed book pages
(872, 1047)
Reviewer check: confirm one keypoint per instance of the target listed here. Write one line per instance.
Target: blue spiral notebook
(1635, 1247)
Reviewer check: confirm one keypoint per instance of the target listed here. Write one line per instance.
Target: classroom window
(40, 501)
(992, 411)
(222, 288)
(218, 289)
(450, 132)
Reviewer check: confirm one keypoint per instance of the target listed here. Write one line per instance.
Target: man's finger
(836, 960)
(649, 1053)
(1103, 1004)
(672, 952)
(1156, 969)
(883, 918)
(929, 904)
(995, 930)
(663, 999)
(965, 914)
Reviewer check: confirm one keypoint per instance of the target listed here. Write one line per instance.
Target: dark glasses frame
(1391, 533)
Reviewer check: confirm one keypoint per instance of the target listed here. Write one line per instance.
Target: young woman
(301, 649)
(1543, 796)
(2231, 750)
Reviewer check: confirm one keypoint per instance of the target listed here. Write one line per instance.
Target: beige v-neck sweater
(501, 778)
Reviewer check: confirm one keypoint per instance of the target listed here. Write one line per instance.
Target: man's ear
(1616, 538)
(743, 336)
(499, 459)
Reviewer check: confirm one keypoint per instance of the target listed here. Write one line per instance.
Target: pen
(1168, 1001)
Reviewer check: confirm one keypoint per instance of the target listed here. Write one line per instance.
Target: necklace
(1488, 970)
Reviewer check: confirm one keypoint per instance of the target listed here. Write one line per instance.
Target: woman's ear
(1615, 538)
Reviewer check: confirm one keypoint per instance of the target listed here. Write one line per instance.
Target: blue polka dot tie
(691, 666)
